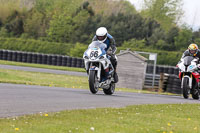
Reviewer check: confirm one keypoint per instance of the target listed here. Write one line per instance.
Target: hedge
(31, 45)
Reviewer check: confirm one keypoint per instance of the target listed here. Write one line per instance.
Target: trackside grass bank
(42, 66)
(176, 118)
(52, 80)
(42, 79)
(28, 81)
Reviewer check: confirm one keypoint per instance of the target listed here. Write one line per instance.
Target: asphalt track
(17, 100)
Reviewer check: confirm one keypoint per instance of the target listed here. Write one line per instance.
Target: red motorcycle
(189, 77)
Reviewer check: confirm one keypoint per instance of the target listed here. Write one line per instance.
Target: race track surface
(16, 100)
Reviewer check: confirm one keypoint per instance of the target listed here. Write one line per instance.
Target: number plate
(94, 53)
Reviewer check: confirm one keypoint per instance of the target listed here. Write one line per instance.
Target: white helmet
(101, 34)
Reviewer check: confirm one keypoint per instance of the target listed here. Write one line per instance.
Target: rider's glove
(198, 65)
(109, 51)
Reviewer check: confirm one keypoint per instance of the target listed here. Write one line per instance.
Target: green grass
(43, 79)
(53, 80)
(172, 118)
(42, 66)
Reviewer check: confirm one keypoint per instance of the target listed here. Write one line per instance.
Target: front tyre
(93, 82)
(110, 90)
(186, 89)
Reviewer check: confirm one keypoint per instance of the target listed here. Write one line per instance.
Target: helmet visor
(100, 38)
(193, 51)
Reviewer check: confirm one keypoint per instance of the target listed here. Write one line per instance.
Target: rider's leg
(114, 63)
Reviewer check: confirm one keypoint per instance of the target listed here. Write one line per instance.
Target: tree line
(75, 22)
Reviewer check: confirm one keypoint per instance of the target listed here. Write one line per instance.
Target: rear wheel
(110, 90)
(93, 82)
(186, 89)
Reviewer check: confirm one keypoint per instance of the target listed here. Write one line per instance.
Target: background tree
(107, 7)
(183, 39)
(14, 24)
(166, 12)
(170, 38)
(134, 43)
(196, 36)
(72, 28)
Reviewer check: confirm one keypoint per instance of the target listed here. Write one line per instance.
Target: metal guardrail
(162, 69)
(174, 84)
(164, 83)
(149, 80)
(38, 58)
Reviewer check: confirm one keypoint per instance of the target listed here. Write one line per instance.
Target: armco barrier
(64, 61)
(162, 69)
(9, 55)
(44, 59)
(24, 57)
(174, 84)
(74, 61)
(79, 63)
(54, 59)
(82, 64)
(14, 56)
(5, 54)
(29, 58)
(1, 54)
(49, 59)
(34, 58)
(19, 56)
(149, 80)
(166, 82)
(59, 60)
(38, 58)
(69, 61)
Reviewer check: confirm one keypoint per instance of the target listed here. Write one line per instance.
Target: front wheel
(186, 89)
(110, 90)
(93, 82)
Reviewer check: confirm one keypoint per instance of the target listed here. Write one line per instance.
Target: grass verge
(42, 66)
(53, 80)
(42, 79)
(168, 118)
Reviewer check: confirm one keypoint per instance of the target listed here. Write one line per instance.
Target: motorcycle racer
(103, 36)
(192, 51)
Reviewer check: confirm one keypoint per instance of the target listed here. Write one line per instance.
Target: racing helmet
(101, 34)
(193, 49)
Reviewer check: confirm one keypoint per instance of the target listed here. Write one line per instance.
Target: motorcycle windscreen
(188, 60)
(97, 44)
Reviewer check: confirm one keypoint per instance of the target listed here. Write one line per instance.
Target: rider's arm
(186, 53)
(113, 45)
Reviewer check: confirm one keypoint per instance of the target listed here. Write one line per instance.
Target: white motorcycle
(99, 68)
(189, 77)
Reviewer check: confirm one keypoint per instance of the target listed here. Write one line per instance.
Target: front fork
(190, 80)
(98, 69)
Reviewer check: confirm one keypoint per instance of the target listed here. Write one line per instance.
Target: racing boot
(115, 77)
(114, 63)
